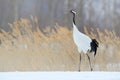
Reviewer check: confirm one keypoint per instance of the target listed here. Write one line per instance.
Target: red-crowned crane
(84, 43)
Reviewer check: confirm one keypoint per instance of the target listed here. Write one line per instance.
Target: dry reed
(26, 48)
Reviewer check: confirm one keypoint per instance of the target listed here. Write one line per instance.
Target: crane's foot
(91, 69)
(78, 70)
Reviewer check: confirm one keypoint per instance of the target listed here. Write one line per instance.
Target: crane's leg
(94, 62)
(79, 63)
(89, 62)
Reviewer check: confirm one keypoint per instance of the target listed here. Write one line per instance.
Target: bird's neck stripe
(74, 19)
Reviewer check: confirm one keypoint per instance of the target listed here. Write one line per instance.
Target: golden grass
(26, 48)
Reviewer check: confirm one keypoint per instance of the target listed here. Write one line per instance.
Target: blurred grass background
(27, 48)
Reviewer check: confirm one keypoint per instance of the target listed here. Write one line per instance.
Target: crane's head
(73, 11)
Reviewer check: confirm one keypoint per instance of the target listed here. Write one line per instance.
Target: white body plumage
(81, 40)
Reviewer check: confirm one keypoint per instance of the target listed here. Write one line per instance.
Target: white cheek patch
(74, 12)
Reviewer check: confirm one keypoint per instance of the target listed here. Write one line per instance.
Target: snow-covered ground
(59, 76)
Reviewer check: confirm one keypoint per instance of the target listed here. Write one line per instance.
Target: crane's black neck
(74, 18)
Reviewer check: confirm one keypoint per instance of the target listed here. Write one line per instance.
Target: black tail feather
(94, 44)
